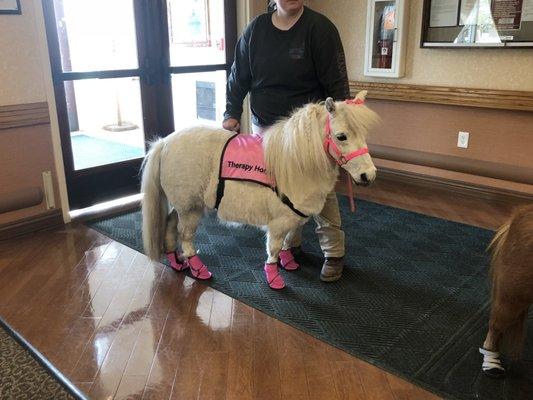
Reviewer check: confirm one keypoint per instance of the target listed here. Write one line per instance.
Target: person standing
(285, 59)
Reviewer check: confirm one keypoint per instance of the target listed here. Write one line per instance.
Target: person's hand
(231, 124)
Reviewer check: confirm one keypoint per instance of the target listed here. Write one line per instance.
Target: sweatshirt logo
(297, 53)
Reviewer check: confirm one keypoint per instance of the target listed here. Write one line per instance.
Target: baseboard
(31, 224)
(456, 187)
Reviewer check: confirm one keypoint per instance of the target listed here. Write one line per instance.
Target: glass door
(117, 66)
(201, 39)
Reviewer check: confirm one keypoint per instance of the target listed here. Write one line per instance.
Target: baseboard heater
(453, 163)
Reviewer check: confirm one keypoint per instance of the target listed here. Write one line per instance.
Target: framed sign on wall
(477, 23)
(10, 7)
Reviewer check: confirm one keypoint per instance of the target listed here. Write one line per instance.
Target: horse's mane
(293, 148)
(294, 151)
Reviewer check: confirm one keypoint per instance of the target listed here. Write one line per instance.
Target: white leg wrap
(491, 360)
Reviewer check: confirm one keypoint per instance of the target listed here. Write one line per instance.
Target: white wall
(21, 69)
(503, 69)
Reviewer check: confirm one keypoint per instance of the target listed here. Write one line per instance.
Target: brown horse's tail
(512, 335)
(495, 248)
(497, 243)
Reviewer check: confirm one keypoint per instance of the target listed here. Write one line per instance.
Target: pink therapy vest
(243, 159)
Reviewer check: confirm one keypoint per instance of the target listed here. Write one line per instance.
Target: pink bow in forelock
(355, 102)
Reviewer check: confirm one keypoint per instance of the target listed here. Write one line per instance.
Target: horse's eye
(341, 136)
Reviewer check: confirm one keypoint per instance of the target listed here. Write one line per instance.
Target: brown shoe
(332, 269)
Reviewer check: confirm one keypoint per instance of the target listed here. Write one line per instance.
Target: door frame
(154, 72)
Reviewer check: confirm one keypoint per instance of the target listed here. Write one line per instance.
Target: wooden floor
(118, 325)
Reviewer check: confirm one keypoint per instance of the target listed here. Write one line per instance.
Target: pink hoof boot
(175, 262)
(287, 260)
(274, 279)
(198, 268)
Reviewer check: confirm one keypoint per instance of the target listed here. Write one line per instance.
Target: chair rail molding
(20, 115)
(467, 97)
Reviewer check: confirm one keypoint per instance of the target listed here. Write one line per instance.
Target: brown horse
(512, 290)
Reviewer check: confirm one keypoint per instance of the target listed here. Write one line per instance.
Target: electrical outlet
(462, 139)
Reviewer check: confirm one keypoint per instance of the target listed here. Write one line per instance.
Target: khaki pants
(328, 222)
(328, 229)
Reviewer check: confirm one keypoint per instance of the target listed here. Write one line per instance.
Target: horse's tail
(495, 248)
(498, 241)
(154, 203)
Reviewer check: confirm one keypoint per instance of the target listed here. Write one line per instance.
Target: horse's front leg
(286, 256)
(275, 236)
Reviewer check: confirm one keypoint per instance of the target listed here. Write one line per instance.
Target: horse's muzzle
(363, 180)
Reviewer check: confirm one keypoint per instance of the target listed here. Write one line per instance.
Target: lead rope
(350, 192)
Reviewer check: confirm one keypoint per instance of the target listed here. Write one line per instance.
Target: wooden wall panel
(25, 152)
(422, 138)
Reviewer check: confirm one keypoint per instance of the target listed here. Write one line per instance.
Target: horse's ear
(330, 106)
(361, 95)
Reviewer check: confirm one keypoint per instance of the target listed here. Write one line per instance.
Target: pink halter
(338, 157)
(331, 147)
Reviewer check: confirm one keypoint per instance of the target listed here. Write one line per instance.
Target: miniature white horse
(302, 155)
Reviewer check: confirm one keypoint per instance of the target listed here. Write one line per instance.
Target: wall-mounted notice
(469, 12)
(9, 6)
(443, 13)
(507, 14)
(527, 10)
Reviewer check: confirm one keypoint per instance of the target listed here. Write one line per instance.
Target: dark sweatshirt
(284, 70)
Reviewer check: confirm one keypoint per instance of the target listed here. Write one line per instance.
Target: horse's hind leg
(171, 232)
(187, 224)
(171, 241)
